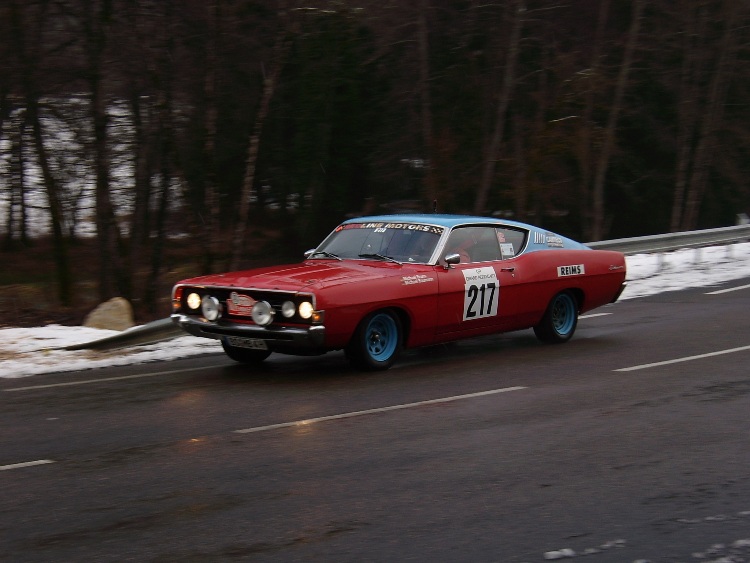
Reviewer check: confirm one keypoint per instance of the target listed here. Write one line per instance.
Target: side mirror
(309, 253)
(451, 260)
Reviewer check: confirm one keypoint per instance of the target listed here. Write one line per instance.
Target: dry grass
(28, 284)
(29, 290)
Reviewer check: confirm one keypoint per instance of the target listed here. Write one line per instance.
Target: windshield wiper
(379, 257)
(326, 254)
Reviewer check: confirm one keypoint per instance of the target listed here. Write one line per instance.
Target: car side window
(474, 244)
(487, 247)
(511, 241)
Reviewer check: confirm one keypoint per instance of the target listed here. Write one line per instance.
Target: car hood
(307, 276)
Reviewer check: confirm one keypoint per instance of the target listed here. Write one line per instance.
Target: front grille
(240, 306)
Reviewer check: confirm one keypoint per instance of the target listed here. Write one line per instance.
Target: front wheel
(560, 319)
(244, 355)
(376, 343)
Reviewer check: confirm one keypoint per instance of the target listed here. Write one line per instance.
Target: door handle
(511, 270)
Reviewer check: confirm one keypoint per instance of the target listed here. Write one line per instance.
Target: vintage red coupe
(379, 284)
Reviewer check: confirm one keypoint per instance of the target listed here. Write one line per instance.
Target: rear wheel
(377, 342)
(244, 355)
(560, 319)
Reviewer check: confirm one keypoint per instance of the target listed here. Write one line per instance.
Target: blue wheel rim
(563, 314)
(381, 337)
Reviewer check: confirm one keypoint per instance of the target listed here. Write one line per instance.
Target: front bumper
(282, 339)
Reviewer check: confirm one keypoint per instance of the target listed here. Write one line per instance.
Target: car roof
(442, 220)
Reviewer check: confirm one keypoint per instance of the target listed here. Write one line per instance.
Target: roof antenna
(434, 206)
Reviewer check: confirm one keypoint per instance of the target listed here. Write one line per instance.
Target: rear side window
(512, 241)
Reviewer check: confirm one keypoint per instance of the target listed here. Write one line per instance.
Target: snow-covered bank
(31, 351)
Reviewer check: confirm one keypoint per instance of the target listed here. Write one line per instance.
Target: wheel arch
(578, 295)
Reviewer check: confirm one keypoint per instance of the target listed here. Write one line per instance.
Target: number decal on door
(481, 293)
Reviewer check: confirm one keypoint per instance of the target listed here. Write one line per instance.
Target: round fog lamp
(211, 307)
(193, 301)
(305, 309)
(262, 313)
(288, 309)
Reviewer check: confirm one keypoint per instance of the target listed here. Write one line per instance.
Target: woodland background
(201, 135)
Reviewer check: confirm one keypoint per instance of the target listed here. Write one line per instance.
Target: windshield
(404, 242)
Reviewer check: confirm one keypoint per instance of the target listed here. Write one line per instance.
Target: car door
(469, 292)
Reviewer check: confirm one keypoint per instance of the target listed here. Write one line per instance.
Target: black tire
(377, 342)
(244, 355)
(560, 319)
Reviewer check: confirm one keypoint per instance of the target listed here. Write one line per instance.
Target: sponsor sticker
(550, 239)
(241, 305)
(383, 227)
(574, 270)
(418, 278)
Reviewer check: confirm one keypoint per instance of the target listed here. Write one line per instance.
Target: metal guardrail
(150, 333)
(165, 329)
(674, 241)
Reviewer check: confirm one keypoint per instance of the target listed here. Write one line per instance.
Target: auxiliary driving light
(211, 307)
(262, 313)
(193, 301)
(288, 309)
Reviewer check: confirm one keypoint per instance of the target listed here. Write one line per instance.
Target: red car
(379, 284)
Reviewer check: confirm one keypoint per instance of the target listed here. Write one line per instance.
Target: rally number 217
(481, 300)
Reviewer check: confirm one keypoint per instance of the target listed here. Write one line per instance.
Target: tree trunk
(712, 117)
(522, 169)
(62, 263)
(687, 114)
(28, 64)
(429, 187)
(509, 80)
(597, 231)
(211, 203)
(586, 148)
(112, 280)
(151, 292)
(269, 85)
(166, 145)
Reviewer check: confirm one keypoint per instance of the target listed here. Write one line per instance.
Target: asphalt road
(495, 449)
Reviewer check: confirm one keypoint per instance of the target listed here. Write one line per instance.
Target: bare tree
(598, 219)
(586, 135)
(509, 79)
(430, 188)
(270, 80)
(29, 58)
(96, 18)
(712, 115)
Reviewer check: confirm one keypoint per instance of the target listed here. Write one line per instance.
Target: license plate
(252, 343)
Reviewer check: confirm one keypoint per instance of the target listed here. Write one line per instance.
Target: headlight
(305, 309)
(288, 308)
(211, 307)
(262, 313)
(193, 301)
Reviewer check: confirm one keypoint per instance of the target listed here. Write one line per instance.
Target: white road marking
(686, 359)
(26, 464)
(88, 381)
(594, 315)
(720, 291)
(377, 410)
